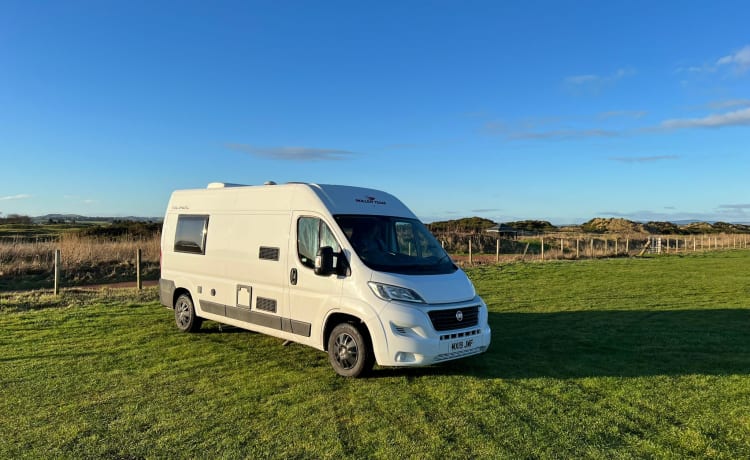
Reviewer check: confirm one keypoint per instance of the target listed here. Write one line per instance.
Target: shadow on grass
(606, 344)
(615, 343)
(212, 327)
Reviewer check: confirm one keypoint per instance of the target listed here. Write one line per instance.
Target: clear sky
(560, 110)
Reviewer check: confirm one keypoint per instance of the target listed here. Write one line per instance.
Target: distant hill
(73, 218)
(612, 225)
(596, 225)
(617, 225)
(464, 225)
(670, 228)
(52, 226)
(730, 228)
(536, 226)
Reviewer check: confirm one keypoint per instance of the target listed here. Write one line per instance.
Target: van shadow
(211, 327)
(611, 344)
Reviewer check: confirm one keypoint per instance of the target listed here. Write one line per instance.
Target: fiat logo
(459, 316)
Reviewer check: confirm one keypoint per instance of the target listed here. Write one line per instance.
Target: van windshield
(395, 244)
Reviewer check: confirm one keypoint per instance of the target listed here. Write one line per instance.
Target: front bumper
(412, 339)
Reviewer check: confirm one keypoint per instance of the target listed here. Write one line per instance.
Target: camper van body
(250, 256)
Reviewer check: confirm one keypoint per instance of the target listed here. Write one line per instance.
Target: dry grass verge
(28, 264)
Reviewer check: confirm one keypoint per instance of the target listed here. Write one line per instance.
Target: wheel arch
(337, 318)
(178, 292)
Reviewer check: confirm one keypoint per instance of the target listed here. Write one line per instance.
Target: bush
(120, 229)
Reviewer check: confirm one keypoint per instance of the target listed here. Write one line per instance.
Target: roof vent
(223, 185)
(269, 182)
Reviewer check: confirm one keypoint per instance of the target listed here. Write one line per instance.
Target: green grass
(621, 358)
(39, 231)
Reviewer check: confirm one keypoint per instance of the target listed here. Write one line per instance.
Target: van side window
(312, 234)
(191, 234)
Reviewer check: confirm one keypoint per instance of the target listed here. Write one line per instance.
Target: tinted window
(191, 234)
(395, 244)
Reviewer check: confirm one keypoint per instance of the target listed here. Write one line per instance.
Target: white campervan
(347, 270)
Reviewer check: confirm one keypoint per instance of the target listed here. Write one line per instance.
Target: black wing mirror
(324, 261)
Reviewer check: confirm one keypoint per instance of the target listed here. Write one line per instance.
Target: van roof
(336, 199)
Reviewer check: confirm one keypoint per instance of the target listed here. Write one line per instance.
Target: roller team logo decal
(369, 200)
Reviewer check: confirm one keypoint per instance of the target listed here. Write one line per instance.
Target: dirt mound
(612, 225)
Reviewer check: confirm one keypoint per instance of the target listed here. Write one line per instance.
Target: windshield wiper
(445, 256)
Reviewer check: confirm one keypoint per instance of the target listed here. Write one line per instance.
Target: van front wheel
(184, 314)
(349, 351)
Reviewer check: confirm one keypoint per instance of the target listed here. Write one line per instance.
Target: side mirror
(324, 261)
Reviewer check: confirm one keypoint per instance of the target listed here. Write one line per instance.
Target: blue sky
(562, 111)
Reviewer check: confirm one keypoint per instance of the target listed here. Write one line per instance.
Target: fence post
(138, 269)
(471, 260)
(562, 250)
(497, 251)
(617, 249)
(577, 247)
(542, 248)
(627, 246)
(592, 248)
(57, 272)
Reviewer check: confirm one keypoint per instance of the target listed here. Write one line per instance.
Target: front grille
(447, 320)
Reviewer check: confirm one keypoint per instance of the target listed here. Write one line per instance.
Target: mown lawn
(622, 358)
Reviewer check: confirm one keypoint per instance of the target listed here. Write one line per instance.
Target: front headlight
(388, 292)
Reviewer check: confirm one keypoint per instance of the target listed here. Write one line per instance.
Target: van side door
(311, 295)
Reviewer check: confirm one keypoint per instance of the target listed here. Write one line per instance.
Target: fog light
(403, 357)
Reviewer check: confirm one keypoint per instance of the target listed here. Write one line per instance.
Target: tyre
(349, 351)
(184, 314)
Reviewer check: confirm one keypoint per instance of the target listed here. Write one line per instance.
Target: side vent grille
(267, 253)
(262, 303)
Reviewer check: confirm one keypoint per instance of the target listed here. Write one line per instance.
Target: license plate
(462, 345)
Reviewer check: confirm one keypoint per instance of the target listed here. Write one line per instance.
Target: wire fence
(78, 261)
(484, 249)
(72, 260)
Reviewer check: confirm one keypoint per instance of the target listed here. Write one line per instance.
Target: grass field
(621, 358)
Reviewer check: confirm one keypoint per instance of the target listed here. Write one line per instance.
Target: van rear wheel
(349, 351)
(184, 314)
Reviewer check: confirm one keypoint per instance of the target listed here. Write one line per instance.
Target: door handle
(293, 276)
